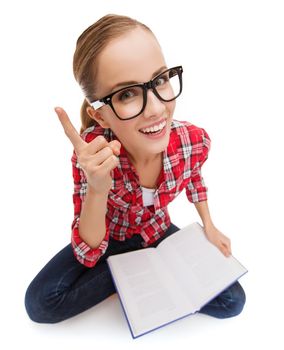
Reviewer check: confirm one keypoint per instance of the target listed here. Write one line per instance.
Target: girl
(131, 160)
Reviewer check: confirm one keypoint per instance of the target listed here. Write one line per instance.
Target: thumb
(225, 250)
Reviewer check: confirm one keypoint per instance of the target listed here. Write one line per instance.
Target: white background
(232, 53)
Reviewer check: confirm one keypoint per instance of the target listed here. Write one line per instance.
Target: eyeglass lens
(129, 102)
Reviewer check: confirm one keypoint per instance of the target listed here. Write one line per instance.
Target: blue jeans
(65, 288)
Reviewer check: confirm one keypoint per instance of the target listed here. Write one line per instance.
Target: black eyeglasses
(129, 102)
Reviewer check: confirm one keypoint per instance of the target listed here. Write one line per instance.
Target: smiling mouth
(154, 129)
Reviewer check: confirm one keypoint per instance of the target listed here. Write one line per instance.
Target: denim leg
(54, 293)
(65, 288)
(229, 303)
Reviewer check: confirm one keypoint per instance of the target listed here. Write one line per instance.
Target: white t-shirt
(148, 196)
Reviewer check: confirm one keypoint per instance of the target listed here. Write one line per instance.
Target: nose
(154, 106)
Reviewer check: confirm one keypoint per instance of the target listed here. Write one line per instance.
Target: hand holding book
(212, 233)
(217, 238)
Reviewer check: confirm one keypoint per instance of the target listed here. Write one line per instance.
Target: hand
(218, 239)
(97, 158)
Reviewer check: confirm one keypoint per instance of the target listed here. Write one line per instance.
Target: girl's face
(135, 57)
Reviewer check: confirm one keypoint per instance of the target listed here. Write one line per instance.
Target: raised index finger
(69, 129)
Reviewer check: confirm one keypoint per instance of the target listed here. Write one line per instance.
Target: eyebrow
(133, 82)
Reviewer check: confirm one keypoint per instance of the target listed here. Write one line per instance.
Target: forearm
(204, 213)
(92, 225)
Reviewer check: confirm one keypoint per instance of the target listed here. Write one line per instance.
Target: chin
(159, 146)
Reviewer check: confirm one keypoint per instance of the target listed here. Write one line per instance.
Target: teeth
(155, 128)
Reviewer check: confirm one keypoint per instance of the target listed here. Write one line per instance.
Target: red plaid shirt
(126, 216)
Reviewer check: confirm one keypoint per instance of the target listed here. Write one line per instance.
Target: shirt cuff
(83, 252)
(196, 194)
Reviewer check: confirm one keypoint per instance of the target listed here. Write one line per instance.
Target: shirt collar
(125, 167)
(170, 160)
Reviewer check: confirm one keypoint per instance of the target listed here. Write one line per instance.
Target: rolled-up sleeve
(83, 252)
(196, 189)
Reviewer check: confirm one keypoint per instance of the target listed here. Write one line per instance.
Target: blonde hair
(88, 48)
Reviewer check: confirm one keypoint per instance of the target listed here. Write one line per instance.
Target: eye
(125, 95)
(161, 80)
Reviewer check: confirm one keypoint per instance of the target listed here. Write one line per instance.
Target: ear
(98, 117)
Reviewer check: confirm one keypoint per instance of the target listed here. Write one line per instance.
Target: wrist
(91, 192)
(208, 224)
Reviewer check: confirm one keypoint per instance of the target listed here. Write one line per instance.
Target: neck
(144, 160)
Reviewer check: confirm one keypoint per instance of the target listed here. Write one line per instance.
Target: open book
(159, 285)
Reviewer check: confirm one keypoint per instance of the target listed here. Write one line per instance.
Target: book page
(147, 290)
(198, 266)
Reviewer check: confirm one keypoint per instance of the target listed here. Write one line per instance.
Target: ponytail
(86, 120)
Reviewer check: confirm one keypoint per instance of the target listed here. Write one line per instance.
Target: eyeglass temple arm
(97, 104)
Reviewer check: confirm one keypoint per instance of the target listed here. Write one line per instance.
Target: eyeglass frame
(106, 100)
